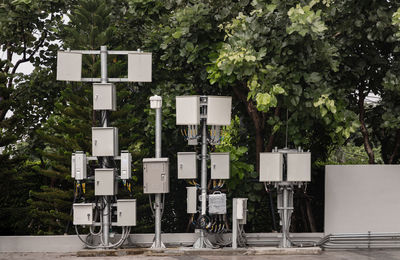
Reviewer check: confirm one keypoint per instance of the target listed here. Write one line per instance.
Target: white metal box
(271, 167)
(104, 96)
(191, 199)
(188, 110)
(105, 184)
(80, 166)
(69, 66)
(139, 67)
(104, 141)
(220, 165)
(73, 166)
(219, 110)
(126, 165)
(187, 165)
(126, 212)
(217, 203)
(83, 213)
(299, 167)
(155, 175)
(241, 209)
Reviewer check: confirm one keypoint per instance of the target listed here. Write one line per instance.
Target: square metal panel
(80, 166)
(104, 141)
(126, 166)
(188, 110)
(83, 213)
(104, 96)
(299, 167)
(271, 167)
(219, 110)
(191, 200)
(217, 203)
(69, 66)
(139, 67)
(187, 165)
(220, 165)
(126, 212)
(104, 182)
(155, 175)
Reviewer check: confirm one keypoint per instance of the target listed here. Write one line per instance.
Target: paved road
(331, 255)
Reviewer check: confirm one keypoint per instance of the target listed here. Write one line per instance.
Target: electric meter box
(104, 96)
(126, 212)
(73, 166)
(126, 166)
(271, 167)
(241, 210)
(299, 167)
(217, 203)
(187, 165)
(155, 175)
(191, 199)
(104, 141)
(69, 66)
(105, 184)
(219, 110)
(83, 213)
(220, 165)
(139, 67)
(80, 166)
(188, 110)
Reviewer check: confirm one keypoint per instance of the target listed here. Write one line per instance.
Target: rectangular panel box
(299, 167)
(104, 141)
(73, 166)
(155, 175)
(83, 213)
(187, 165)
(80, 166)
(126, 165)
(220, 165)
(219, 110)
(191, 200)
(104, 96)
(188, 110)
(217, 203)
(241, 209)
(139, 67)
(69, 66)
(105, 184)
(126, 212)
(271, 167)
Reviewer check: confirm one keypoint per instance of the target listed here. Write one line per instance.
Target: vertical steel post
(157, 203)
(203, 177)
(234, 224)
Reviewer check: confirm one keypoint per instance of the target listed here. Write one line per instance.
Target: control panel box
(219, 110)
(220, 165)
(187, 165)
(104, 96)
(126, 166)
(126, 212)
(271, 167)
(105, 184)
(69, 66)
(299, 167)
(83, 213)
(191, 200)
(241, 210)
(188, 110)
(104, 141)
(217, 203)
(73, 166)
(155, 175)
(80, 166)
(140, 67)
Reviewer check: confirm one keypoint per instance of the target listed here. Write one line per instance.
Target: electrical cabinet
(188, 110)
(271, 167)
(219, 110)
(187, 165)
(105, 184)
(126, 164)
(299, 167)
(220, 165)
(155, 175)
(104, 96)
(126, 212)
(241, 210)
(69, 66)
(191, 199)
(217, 203)
(104, 141)
(73, 166)
(80, 166)
(139, 67)
(83, 213)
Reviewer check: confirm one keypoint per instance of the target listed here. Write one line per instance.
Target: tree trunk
(364, 130)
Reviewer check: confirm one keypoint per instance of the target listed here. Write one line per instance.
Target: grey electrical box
(126, 165)
(104, 96)
(219, 110)
(73, 166)
(126, 212)
(217, 203)
(104, 182)
(188, 110)
(83, 213)
(104, 141)
(299, 167)
(187, 165)
(271, 167)
(241, 210)
(139, 67)
(155, 175)
(191, 200)
(220, 165)
(69, 66)
(80, 166)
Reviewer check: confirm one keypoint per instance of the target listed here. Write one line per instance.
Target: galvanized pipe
(157, 202)
(203, 178)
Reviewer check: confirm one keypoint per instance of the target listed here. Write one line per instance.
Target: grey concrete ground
(331, 255)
